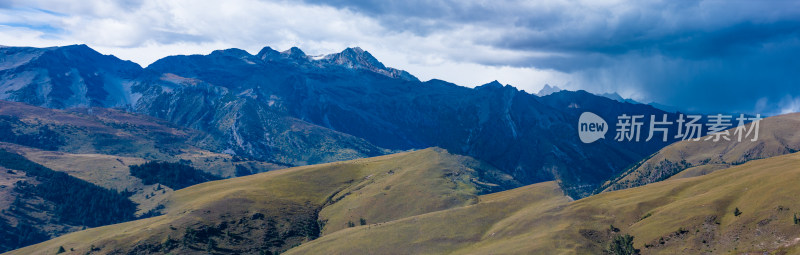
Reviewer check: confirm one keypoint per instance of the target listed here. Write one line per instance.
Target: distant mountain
(111, 132)
(77, 76)
(69, 76)
(292, 109)
(493, 122)
(619, 98)
(663, 107)
(357, 58)
(547, 90)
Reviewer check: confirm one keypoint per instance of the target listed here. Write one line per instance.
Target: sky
(707, 56)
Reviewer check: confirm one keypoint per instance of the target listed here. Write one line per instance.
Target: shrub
(242, 171)
(173, 175)
(646, 216)
(622, 245)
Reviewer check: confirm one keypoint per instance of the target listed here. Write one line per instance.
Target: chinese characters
(689, 127)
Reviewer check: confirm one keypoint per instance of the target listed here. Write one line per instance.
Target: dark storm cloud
(704, 55)
(685, 29)
(423, 17)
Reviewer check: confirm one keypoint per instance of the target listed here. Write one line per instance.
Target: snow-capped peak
(294, 53)
(357, 58)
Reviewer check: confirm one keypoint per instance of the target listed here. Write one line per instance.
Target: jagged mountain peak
(357, 58)
(354, 58)
(294, 53)
(268, 53)
(494, 84)
(547, 90)
(351, 58)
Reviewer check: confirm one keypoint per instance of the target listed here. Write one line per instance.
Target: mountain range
(281, 152)
(291, 109)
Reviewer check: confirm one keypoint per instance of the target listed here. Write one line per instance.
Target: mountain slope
(42, 203)
(117, 133)
(77, 76)
(68, 76)
(96, 146)
(251, 128)
(691, 215)
(778, 136)
(279, 209)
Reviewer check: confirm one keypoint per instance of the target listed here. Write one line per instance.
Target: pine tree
(737, 212)
(796, 220)
(61, 250)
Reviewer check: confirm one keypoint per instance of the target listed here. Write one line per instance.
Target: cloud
(701, 55)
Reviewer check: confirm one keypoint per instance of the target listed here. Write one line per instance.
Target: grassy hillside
(432, 206)
(277, 210)
(778, 136)
(113, 132)
(46, 203)
(98, 146)
(691, 216)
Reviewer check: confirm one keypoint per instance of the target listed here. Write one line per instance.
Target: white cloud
(790, 104)
(148, 30)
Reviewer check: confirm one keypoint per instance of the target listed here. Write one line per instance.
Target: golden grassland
(113, 172)
(423, 202)
(692, 215)
(777, 136)
(376, 189)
